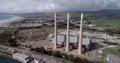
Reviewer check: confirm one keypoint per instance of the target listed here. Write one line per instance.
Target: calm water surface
(5, 59)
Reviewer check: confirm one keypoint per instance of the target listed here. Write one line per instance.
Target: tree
(32, 49)
(70, 57)
(49, 52)
(64, 56)
(13, 42)
(41, 50)
(88, 22)
(56, 54)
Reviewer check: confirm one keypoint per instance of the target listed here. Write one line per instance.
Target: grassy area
(107, 23)
(49, 29)
(36, 34)
(115, 51)
(102, 21)
(5, 36)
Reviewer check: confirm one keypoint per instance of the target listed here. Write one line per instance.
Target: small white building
(21, 57)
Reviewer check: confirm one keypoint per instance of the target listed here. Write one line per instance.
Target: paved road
(50, 59)
(46, 58)
(110, 58)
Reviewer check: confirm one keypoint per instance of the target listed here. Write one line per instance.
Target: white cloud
(56, 5)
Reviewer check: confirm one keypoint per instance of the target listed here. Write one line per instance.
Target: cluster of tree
(112, 31)
(5, 38)
(64, 25)
(88, 22)
(92, 29)
(13, 42)
(61, 55)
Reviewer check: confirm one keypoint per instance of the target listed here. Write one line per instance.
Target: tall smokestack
(68, 32)
(55, 31)
(80, 35)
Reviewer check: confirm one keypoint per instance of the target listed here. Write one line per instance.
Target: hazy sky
(56, 5)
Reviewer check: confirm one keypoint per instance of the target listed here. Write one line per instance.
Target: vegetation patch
(107, 23)
(115, 51)
(60, 55)
(5, 36)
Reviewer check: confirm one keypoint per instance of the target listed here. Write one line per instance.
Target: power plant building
(74, 40)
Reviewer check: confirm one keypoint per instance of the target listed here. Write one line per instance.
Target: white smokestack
(55, 31)
(68, 32)
(80, 35)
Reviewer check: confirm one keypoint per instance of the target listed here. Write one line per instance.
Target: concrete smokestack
(55, 31)
(80, 35)
(68, 33)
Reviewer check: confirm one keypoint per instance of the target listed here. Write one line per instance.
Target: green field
(107, 23)
(4, 37)
(102, 21)
(115, 51)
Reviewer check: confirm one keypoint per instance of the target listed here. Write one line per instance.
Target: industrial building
(74, 40)
(22, 57)
(67, 44)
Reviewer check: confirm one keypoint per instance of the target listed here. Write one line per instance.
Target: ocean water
(5, 59)
(8, 18)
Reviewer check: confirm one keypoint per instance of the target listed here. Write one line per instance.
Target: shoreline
(7, 55)
(8, 58)
(14, 18)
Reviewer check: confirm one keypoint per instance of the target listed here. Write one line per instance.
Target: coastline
(14, 18)
(7, 56)
(7, 59)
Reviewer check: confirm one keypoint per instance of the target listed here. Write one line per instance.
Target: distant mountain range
(105, 12)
